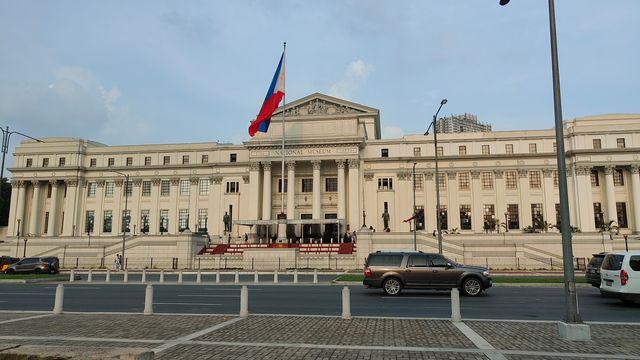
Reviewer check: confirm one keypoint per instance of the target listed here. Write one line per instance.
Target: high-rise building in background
(461, 124)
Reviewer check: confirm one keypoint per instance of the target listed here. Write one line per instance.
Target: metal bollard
(237, 278)
(148, 300)
(255, 277)
(275, 276)
(180, 277)
(161, 275)
(295, 276)
(72, 276)
(108, 277)
(57, 307)
(218, 276)
(90, 276)
(244, 301)
(315, 276)
(126, 276)
(346, 303)
(144, 276)
(199, 277)
(455, 305)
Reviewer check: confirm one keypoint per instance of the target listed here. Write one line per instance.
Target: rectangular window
(595, 180)
(205, 159)
(597, 144)
(129, 161)
(385, 184)
(165, 188)
(147, 160)
(233, 158)
(417, 151)
(486, 150)
(185, 159)
(29, 163)
(489, 217)
(93, 162)
(61, 162)
(46, 222)
(126, 221)
(444, 217)
(45, 162)
(144, 221)
(91, 189)
(440, 151)
(463, 181)
(465, 217)
(533, 148)
(108, 189)
(511, 180)
(183, 219)
(554, 174)
(486, 178)
(621, 210)
(513, 216)
(419, 182)
(384, 153)
(203, 217)
(557, 213)
(555, 147)
(88, 221)
(534, 180)
(598, 215)
(620, 143)
(419, 217)
(111, 161)
(462, 150)
(49, 189)
(618, 177)
(331, 185)
(508, 148)
(128, 188)
(164, 221)
(442, 181)
(146, 188)
(107, 221)
(166, 160)
(537, 218)
(203, 187)
(184, 187)
(307, 185)
(286, 185)
(233, 187)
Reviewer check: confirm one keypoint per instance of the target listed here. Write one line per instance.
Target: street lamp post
(435, 146)
(24, 252)
(573, 328)
(6, 136)
(415, 217)
(506, 221)
(18, 230)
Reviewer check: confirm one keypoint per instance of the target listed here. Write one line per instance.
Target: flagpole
(284, 105)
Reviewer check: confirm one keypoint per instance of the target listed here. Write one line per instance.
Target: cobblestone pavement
(307, 337)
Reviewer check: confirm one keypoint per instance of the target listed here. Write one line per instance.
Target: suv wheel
(471, 286)
(37, 271)
(392, 286)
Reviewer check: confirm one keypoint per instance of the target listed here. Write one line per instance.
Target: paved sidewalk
(105, 336)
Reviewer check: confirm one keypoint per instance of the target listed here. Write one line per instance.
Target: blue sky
(137, 72)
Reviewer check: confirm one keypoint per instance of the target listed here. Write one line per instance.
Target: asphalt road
(520, 303)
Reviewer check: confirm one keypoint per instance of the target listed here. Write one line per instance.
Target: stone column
(16, 211)
(98, 217)
(550, 198)
(635, 196)
(254, 192)
(316, 189)
(53, 212)
(341, 189)
(192, 223)
(154, 211)
(610, 198)
(454, 201)
(174, 221)
(354, 218)
(477, 214)
(525, 203)
(134, 205)
(116, 220)
(216, 211)
(34, 218)
(291, 190)
(266, 191)
(70, 207)
(501, 200)
(430, 201)
(584, 200)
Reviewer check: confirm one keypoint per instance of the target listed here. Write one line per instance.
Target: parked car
(592, 274)
(5, 261)
(36, 265)
(620, 273)
(394, 271)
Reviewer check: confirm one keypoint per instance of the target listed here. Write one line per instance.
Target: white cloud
(392, 132)
(356, 73)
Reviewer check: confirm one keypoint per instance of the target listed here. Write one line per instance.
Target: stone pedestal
(574, 332)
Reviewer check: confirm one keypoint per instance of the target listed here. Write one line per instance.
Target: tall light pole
(435, 146)
(574, 328)
(415, 217)
(6, 136)
(124, 216)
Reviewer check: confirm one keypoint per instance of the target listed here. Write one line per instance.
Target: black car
(592, 274)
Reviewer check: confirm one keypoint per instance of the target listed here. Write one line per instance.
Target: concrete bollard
(126, 276)
(72, 276)
(57, 306)
(144, 276)
(148, 300)
(295, 276)
(199, 277)
(218, 276)
(90, 276)
(315, 276)
(108, 277)
(275, 276)
(161, 275)
(346, 303)
(255, 277)
(237, 278)
(455, 305)
(180, 277)
(244, 301)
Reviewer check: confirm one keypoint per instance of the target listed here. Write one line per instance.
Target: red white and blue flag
(271, 101)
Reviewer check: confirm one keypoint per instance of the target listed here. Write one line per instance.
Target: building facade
(461, 124)
(339, 175)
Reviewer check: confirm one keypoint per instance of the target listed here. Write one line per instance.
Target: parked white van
(620, 275)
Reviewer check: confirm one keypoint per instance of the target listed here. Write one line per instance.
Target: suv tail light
(624, 277)
(367, 272)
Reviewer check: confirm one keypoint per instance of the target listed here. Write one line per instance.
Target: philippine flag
(271, 101)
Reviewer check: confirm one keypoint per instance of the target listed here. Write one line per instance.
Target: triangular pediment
(318, 104)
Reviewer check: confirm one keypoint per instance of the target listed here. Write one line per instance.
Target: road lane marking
(177, 303)
(479, 341)
(236, 289)
(207, 295)
(172, 343)
(25, 318)
(8, 293)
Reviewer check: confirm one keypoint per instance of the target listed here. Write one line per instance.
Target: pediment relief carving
(317, 107)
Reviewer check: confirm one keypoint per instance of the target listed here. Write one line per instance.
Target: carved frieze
(318, 107)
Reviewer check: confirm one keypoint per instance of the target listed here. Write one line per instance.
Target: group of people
(117, 263)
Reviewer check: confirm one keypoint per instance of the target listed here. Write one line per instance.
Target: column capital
(340, 163)
(583, 170)
(368, 176)
(451, 175)
(119, 182)
(547, 173)
(608, 170)
(254, 166)
(266, 166)
(137, 182)
(71, 183)
(156, 181)
(475, 175)
(354, 163)
(36, 183)
(175, 182)
(216, 179)
(428, 175)
(316, 164)
(100, 183)
(635, 169)
(291, 165)
(523, 173)
(18, 184)
(245, 179)
(195, 181)
(499, 174)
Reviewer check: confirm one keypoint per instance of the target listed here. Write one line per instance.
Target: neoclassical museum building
(339, 174)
